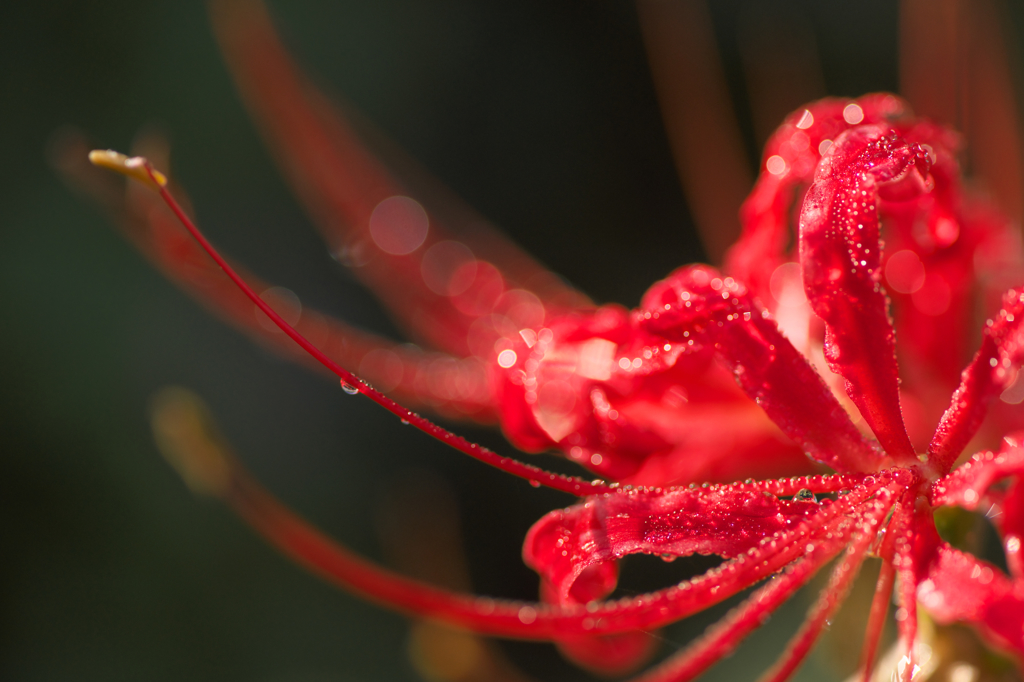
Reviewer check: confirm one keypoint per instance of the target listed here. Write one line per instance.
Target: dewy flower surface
(704, 382)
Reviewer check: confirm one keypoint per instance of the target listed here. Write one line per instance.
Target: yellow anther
(134, 167)
(187, 438)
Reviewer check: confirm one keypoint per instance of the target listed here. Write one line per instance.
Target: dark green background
(539, 114)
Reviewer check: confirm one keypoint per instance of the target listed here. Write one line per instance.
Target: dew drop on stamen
(349, 388)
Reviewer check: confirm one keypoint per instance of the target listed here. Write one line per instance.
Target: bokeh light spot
(398, 225)
(787, 285)
(285, 303)
(486, 287)
(853, 114)
(904, 272)
(448, 268)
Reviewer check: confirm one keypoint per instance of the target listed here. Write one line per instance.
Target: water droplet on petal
(805, 495)
(348, 388)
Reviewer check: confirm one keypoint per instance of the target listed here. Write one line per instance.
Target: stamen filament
(725, 635)
(879, 604)
(906, 612)
(187, 437)
(156, 180)
(830, 599)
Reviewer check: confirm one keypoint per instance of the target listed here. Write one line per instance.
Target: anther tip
(135, 167)
(186, 437)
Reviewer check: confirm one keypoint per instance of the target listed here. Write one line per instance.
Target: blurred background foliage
(541, 115)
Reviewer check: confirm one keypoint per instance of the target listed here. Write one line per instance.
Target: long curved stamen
(879, 604)
(831, 598)
(340, 182)
(415, 378)
(186, 437)
(906, 612)
(569, 484)
(727, 633)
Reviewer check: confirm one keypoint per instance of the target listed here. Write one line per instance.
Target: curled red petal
(633, 407)
(967, 485)
(971, 486)
(990, 372)
(766, 214)
(840, 256)
(565, 543)
(700, 309)
(572, 548)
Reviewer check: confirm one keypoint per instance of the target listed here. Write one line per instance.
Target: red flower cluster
(713, 378)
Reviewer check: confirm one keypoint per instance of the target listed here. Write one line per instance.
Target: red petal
(960, 587)
(840, 255)
(698, 308)
(572, 548)
(417, 379)
(968, 484)
(678, 523)
(610, 655)
(767, 212)
(1002, 348)
(633, 408)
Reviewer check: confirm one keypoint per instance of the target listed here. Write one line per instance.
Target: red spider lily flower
(885, 493)
(622, 392)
